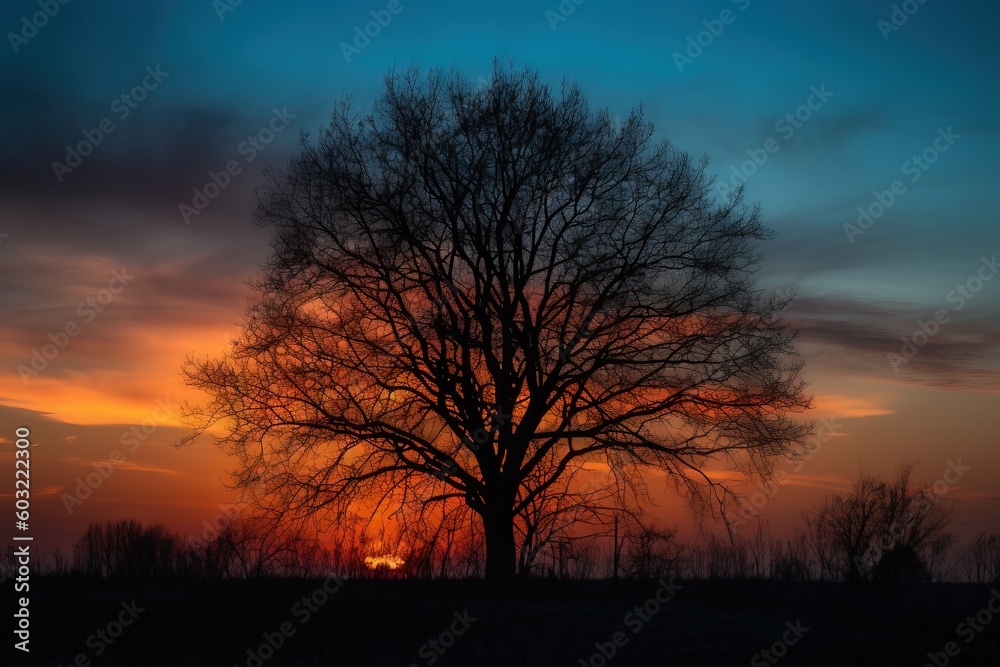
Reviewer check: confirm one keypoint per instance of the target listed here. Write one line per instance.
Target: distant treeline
(129, 549)
(883, 531)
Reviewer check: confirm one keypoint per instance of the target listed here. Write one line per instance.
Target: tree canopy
(477, 293)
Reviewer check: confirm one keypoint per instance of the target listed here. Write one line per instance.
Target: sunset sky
(820, 110)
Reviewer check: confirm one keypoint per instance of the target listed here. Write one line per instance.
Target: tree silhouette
(474, 291)
(883, 531)
(126, 548)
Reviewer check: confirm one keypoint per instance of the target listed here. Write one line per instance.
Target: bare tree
(882, 531)
(979, 561)
(570, 509)
(474, 289)
(650, 552)
(251, 546)
(792, 561)
(126, 548)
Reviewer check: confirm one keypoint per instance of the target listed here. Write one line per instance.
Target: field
(547, 623)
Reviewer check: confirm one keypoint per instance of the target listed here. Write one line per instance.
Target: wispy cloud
(40, 490)
(849, 407)
(121, 465)
(963, 355)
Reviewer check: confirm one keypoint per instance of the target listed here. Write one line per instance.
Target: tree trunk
(501, 556)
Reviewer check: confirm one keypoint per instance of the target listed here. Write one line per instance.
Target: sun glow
(390, 561)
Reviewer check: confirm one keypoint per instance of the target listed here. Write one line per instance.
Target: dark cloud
(962, 353)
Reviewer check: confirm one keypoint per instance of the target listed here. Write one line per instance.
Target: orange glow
(108, 380)
(106, 395)
(390, 561)
(849, 406)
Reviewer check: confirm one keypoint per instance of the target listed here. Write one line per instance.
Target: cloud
(144, 467)
(40, 490)
(171, 300)
(833, 482)
(963, 493)
(859, 335)
(121, 465)
(849, 407)
(838, 483)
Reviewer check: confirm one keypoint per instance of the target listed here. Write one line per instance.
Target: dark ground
(546, 623)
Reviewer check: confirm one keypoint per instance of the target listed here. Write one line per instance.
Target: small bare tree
(882, 531)
(650, 552)
(126, 548)
(979, 561)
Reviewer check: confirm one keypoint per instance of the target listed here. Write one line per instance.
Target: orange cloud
(849, 407)
(40, 490)
(123, 465)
